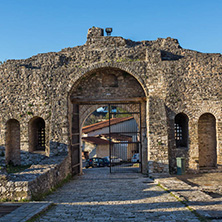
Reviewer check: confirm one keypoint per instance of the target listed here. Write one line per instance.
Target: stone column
(144, 138)
(157, 137)
(193, 146)
(219, 142)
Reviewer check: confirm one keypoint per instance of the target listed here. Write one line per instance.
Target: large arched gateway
(106, 87)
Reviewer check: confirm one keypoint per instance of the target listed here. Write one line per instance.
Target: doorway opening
(36, 134)
(122, 94)
(111, 138)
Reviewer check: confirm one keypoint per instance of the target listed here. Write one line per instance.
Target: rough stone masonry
(43, 100)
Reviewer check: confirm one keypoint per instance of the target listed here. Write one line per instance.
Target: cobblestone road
(100, 196)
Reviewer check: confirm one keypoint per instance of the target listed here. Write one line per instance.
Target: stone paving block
(204, 204)
(114, 197)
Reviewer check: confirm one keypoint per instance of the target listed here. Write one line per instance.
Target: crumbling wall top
(95, 32)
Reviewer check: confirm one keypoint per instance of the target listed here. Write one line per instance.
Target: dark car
(106, 162)
(97, 162)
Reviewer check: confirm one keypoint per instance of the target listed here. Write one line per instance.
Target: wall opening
(181, 130)
(103, 86)
(12, 154)
(207, 140)
(36, 134)
(111, 135)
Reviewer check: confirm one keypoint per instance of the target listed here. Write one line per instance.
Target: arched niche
(181, 130)
(12, 152)
(36, 134)
(207, 140)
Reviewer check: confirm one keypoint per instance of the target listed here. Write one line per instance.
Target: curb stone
(26, 211)
(194, 198)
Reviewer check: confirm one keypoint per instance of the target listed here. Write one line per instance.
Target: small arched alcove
(12, 152)
(36, 134)
(207, 140)
(181, 130)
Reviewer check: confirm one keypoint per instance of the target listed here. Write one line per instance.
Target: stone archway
(104, 85)
(207, 140)
(12, 155)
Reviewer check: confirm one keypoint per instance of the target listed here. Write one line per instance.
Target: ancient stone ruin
(46, 98)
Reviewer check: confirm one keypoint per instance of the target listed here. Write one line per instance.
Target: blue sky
(29, 27)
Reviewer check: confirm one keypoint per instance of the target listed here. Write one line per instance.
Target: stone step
(211, 170)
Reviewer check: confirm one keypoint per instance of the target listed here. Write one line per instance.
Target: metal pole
(109, 140)
(140, 151)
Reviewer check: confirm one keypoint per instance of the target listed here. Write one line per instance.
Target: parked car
(114, 159)
(107, 162)
(107, 158)
(135, 158)
(97, 162)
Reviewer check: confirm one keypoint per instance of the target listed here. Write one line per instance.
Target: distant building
(95, 140)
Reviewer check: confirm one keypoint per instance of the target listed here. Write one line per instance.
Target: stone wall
(36, 180)
(173, 80)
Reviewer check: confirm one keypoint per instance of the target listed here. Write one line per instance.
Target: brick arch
(207, 141)
(85, 72)
(92, 88)
(211, 111)
(207, 107)
(12, 152)
(187, 112)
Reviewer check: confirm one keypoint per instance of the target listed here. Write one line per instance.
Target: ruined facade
(45, 99)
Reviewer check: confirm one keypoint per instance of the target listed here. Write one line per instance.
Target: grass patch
(200, 218)
(16, 169)
(136, 165)
(42, 196)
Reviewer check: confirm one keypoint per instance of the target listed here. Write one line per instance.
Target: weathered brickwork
(164, 77)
